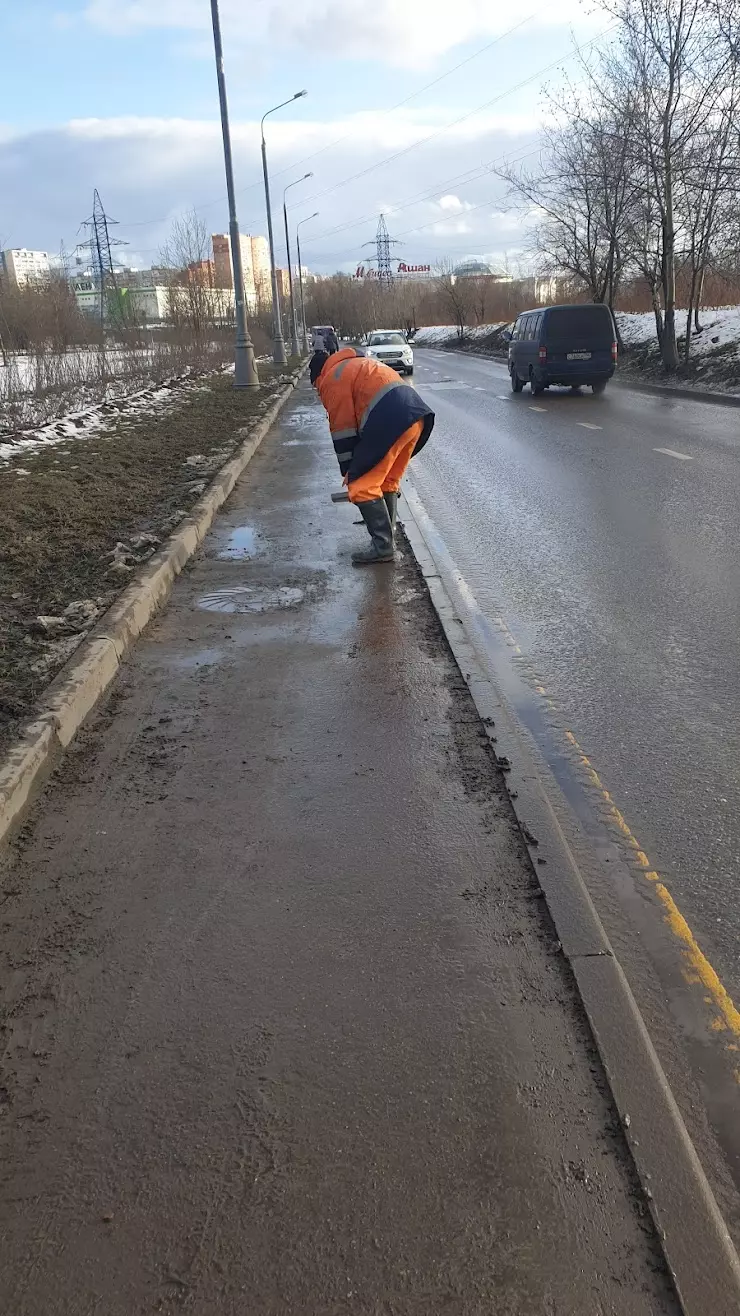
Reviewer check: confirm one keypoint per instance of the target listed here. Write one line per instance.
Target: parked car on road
(390, 347)
(570, 345)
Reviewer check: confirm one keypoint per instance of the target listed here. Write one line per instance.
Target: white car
(390, 347)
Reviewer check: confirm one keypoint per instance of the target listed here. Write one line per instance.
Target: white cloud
(454, 203)
(149, 169)
(403, 33)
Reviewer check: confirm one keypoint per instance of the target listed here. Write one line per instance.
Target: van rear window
(579, 326)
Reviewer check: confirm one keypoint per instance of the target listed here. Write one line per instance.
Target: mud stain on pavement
(251, 598)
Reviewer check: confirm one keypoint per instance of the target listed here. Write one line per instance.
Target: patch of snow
(720, 326)
(433, 335)
(99, 417)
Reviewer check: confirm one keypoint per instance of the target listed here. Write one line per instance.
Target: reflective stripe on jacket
(369, 407)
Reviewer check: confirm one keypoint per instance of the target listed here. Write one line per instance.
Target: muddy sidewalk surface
(285, 1028)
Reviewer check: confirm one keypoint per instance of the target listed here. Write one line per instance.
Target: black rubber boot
(391, 502)
(376, 518)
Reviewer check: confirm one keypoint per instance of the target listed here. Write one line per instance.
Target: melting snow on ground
(99, 416)
(720, 326)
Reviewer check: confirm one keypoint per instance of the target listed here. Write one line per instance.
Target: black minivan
(569, 345)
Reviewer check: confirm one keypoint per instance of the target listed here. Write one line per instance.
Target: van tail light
(614, 351)
(543, 355)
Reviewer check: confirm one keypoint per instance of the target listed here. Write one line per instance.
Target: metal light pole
(293, 325)
(279, 356)
(245, 369)
(300, 274)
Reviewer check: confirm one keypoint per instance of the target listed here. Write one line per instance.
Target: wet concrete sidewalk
(286, 1028)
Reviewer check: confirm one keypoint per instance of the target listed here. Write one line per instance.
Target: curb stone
(696, 1243)
(79, 685)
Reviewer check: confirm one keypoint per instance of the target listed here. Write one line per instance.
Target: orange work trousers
(386, 475)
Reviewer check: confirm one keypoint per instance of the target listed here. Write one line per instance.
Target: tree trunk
(669, 347)
(692, 303)
(697, 305)
(658, 313)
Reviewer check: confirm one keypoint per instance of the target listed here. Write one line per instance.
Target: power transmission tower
(100, 245)
(382, 246)
(63, 261)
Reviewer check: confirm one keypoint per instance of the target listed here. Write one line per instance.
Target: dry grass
(60, 520)
(40, 386)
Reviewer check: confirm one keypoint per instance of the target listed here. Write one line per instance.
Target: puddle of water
(242, 543)
(252, 598)
(203, 658)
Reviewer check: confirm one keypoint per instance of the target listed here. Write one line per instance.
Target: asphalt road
(603, 533)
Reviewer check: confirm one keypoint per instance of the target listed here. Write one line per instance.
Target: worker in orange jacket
(377, 423)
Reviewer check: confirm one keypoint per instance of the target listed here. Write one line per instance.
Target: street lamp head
(298, 95)
(308, 175)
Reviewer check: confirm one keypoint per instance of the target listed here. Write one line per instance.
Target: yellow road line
(697, 969)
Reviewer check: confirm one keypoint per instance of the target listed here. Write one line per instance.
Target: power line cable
(148, 223)
(362, 173)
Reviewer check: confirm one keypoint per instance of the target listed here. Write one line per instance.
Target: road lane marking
(697, 968)
(537, 408)
(669, 452)
(504, 397)
(584, 424)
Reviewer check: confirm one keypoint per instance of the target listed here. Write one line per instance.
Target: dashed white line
(584, 424)
(537, 408)
(669, 452)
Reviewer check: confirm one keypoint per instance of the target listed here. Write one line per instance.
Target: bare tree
(708, 197)
(456, 295)
(191, 295)
(644, 243)
(581, 192)
(671, 60)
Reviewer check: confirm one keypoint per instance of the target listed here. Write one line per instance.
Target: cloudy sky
(409, 104)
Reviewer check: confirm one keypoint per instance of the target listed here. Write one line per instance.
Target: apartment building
(21, 266)
(255, 260)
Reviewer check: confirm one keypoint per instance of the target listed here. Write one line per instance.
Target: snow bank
(720, 327)
(434, 335)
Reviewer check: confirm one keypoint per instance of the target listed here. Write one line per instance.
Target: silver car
(390, 347)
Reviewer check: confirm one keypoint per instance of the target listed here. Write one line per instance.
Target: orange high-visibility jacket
(369, 407)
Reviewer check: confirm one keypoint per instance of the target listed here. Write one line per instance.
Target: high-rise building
(261, 268)
(283, 283)
(255, 264)
(21, 267)
(223, 275)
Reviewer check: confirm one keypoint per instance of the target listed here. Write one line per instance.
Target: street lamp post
(245, 369)
(279, 356)
(300, 274)
(293, 324)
